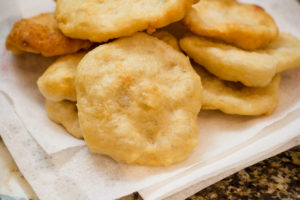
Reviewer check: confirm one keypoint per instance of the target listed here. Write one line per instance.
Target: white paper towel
(60, 167)
(19, 75)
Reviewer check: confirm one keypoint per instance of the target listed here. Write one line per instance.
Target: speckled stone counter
(275, 178)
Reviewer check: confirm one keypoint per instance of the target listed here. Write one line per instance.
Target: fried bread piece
(40, 35)
(252, 68)
(66, 114)
(244, 25)
(168, 38)
(235, 98)
(138, 101)
(57, 82)
(100, 21)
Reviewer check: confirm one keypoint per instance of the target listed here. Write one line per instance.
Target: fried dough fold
(167, 38)
(252, 68)
(235, 98)
(177, 29)
(65, 113)
(243, 25)
(40, 35)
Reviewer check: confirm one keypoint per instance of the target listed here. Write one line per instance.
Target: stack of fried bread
(132, 76)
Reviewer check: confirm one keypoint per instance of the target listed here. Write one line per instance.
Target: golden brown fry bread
(40, 35)
(246, 26)
(57, 82)
(66, 114)
(235, 98)
(167, 38)
(252, 68)
(100, 21)
(138, 101)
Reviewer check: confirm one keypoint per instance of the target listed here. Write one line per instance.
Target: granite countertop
(275, 178)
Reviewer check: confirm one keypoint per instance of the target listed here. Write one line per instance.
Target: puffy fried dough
(40, 35)
(65, 113)
(168, 38)
(138, 101)
(244, 25)
(57, 82)
(100, 21)
(252, 68)
(235, 98)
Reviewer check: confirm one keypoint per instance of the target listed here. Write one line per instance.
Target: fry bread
(244, 25)
(100, 21)
(252, 68)
(40, 35)
(66, 114)
(138, 101)
(168, 38)
(57, 82)
(235, 98)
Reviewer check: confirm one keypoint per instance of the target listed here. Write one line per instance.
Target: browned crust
(40, 34)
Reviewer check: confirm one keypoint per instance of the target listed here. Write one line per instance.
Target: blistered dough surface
(138, 101)
(102, 20)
